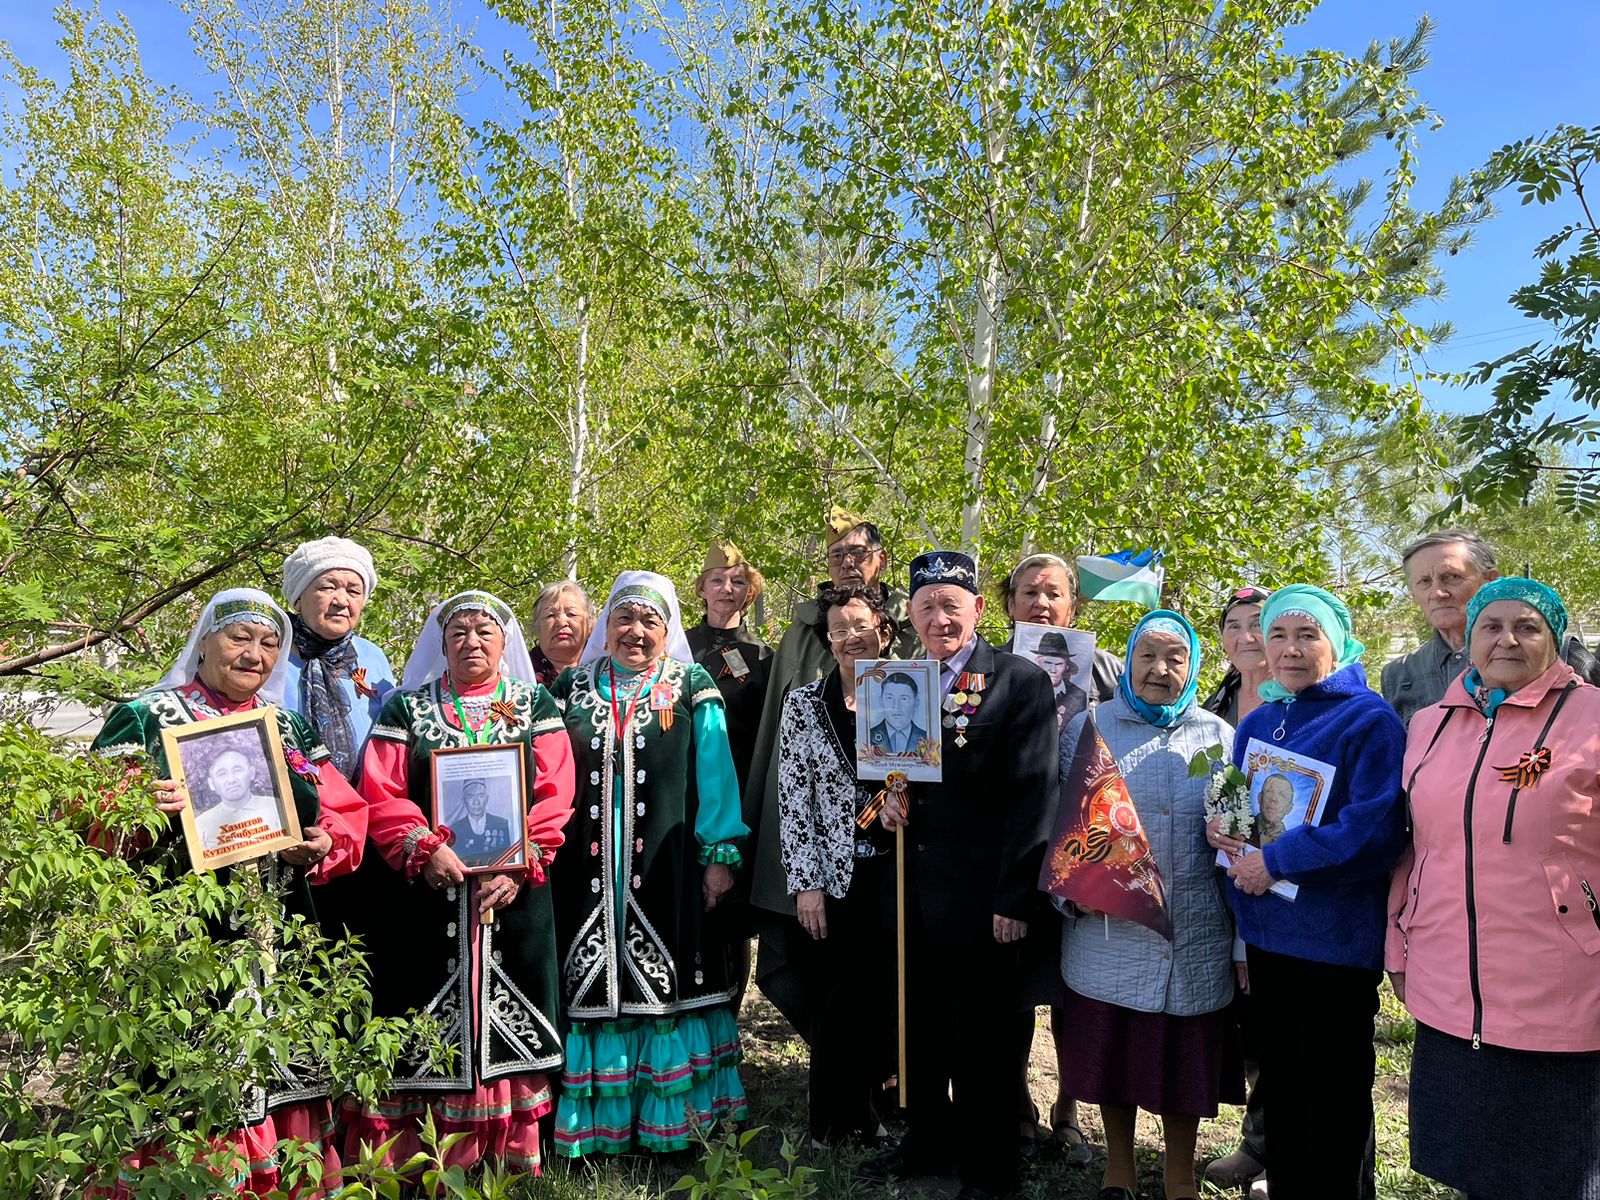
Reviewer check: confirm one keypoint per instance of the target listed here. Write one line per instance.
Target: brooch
(363, 688)
(1528, 768)
(506, 711)
(301, 765)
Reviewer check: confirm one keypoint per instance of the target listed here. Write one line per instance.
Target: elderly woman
(335, 680)
(563, 619)
(477, 951)
(1238, 695)
(1235, 698)
(1315, 961)
(840, 875)
(1494, 941)
(1043, 590)
(1149, 1017)
(234, 662)
(653, 1050)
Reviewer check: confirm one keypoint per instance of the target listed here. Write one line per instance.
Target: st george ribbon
(1098, 856)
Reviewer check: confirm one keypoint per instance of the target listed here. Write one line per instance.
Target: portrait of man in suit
(898, 701)
(481, 837)
(1055, 658)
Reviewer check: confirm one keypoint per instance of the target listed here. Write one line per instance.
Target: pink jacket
(1515, 895)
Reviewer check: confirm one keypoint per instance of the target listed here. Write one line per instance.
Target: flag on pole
(1135, 575)
(1098, 856)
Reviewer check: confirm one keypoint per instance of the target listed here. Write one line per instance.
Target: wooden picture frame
(241, 800)
(461, 775)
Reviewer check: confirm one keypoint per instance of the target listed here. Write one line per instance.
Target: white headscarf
(652, 591)
(427, 661)
(311, 559)
(235, 604)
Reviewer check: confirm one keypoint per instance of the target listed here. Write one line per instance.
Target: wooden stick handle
(900, 939)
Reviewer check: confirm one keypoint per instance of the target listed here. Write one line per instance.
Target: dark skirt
(1505, 1124)
(1159, 1062)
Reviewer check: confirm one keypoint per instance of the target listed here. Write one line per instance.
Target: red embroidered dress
(293, 1107)
(492, 987)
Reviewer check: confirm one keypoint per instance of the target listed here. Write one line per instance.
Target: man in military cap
(855, 558)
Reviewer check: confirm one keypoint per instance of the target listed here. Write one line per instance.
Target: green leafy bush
(123, 1020)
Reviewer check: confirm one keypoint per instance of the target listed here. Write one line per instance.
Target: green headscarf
(1330, 615)
(1540, 596)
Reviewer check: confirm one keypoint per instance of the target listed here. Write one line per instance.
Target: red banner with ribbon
(1098, 856)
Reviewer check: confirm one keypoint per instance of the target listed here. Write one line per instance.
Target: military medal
(962, 702)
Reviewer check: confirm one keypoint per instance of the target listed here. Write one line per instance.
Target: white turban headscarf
(311, 559)
(235, 604)
(427, 661)
(653, 591)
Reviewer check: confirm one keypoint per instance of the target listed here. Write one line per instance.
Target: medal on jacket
(661, 703)
(962, 701)
(733, 663)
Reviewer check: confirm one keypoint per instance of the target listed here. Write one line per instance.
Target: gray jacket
(1418, 680)
(1121, 962)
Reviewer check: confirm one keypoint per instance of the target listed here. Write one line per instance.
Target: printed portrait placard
(480, 793)
(240, 805)
(897, 718)
(1067, 657)
(1287, 790)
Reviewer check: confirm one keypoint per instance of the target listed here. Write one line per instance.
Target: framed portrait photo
(240, 805)
(480, 793)
(897, 718)
(1287, 790)
(1067, 657)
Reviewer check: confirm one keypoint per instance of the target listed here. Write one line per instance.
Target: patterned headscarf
(427, 661)
(652, 591)
(1166, 621)
(235, 604)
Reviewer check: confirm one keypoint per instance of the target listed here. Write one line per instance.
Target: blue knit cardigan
(1341, 864)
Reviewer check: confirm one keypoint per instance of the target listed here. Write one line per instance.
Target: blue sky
(1500, 72)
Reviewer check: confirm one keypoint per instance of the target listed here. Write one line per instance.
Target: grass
(774, 1074)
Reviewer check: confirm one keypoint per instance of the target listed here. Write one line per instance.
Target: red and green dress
(493, 988)
(294, 1106)
(653, 1049)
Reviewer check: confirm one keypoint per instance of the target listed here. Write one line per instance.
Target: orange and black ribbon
(1528, 768)
(894, 784)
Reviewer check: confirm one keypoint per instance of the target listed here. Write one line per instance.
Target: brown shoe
(1238, 1168)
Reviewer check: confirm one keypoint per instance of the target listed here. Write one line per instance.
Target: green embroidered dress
(646, 971)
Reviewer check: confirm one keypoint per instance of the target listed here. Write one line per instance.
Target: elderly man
(974, 844)
(336, 680)
(855, 558)
(1444, 570)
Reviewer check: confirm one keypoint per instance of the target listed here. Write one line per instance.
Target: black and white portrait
(240, 803)
(1067, 657)
(897, 718)
(478, 792)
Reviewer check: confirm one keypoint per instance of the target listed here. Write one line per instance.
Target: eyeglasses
(854, 554)
(844, 635)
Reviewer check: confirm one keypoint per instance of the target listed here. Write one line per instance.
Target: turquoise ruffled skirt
(647, 1083)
